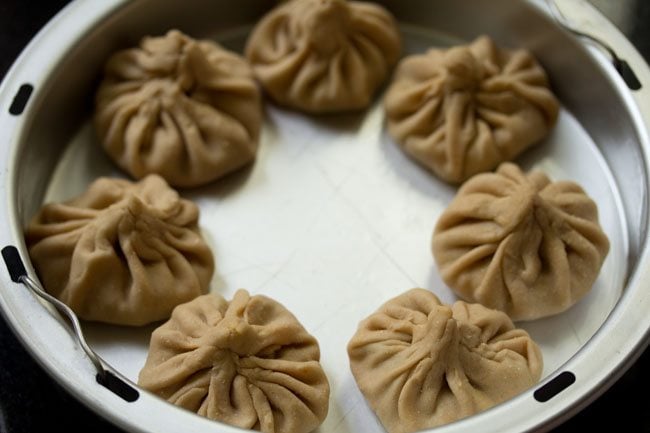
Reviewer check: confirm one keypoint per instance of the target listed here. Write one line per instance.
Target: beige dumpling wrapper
(123, 253)
(421, 364)
(187, 110)
(520, 243)
(323, 56)
(248, 363)
(464, 110)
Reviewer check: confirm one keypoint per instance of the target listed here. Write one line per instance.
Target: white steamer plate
(333, 219)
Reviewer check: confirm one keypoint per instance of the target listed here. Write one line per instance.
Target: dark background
(30, 401)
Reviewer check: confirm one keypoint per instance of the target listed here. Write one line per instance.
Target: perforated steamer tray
(333, 219)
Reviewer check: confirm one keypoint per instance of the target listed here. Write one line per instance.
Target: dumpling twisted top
(464, 110)
(122, 252)
(324, 55)
(187, 110)
(520, 243)
(248, 363)
(421, 364)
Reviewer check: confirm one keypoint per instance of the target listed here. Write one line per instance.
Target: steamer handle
(104, 377)
(621, 66)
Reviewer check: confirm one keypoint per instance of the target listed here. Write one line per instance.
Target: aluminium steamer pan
(347, 217)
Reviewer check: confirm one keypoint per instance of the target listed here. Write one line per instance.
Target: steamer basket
(332, 220)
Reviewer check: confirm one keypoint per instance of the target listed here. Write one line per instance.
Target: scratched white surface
(333, 219)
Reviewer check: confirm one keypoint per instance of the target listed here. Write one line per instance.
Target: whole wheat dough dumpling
(187, 110)
(463, 110)
(520, 243)
(247, 362)
(421, 364)
(123, 253)
(323, 56)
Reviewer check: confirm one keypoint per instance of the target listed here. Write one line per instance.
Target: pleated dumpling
(520, 243)
(421, 364)
(123, 253)
(187, 110)
(324, 56)
(248, 363)
(463, 110)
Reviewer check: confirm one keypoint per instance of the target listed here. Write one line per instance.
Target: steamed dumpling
(248, 363)
(187, 110)
(123, 253)
(520, 243)
(464, 110)
(324, 55)
(421, 364)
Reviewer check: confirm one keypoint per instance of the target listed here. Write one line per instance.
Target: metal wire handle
(105, 376)
(621, 66)
(562, 20)
(71, 316)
